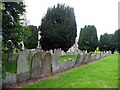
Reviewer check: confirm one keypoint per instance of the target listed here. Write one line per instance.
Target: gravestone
(55, 63)
(77, 62)
(36, 65)
(8, 80)
(93, 57)
(88, 57)
(31, 53)
(63, 53)
(47, 63)
(58, 52)
(42, 53)
(51, 51)
(97, 56)
(84, 58)
(23, 70)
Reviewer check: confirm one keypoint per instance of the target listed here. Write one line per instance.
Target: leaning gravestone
(36, 65)
(23, 71)
(47, 63)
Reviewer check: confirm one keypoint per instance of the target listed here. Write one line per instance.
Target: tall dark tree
(117, 40)
(88, 39)
(12, 31)
(104, 42)
(31, 41)
(111, 43)
(58, 28)
(107, 42)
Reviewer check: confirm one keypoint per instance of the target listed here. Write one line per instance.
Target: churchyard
(52, 54)
(30, 65)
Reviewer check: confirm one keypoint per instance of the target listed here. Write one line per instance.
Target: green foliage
(86, 76)
(117, 40)
(31, 41)
(58, 28)
(12, 31)
(103, 45)
(107, 42)
(88, 39)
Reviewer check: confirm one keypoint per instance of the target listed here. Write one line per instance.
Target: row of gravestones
(84, 58)
(35, 64)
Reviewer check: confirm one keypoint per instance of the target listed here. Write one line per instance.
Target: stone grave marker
(36, 65)
(88, 59)
(77, 62)
(84, 58)
(23, 68)
(47, 63)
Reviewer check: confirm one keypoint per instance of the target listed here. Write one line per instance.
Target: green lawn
(10, 66)
(98, 74)
(67, 57)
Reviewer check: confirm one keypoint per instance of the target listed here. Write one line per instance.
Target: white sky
(101, 13)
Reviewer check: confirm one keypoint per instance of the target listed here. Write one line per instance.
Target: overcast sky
(101, 13)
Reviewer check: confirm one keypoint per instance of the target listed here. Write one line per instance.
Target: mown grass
(99, 74)
(66, 57)
(5, 56)
(10, 66)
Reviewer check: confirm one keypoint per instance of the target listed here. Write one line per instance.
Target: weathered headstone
(36, 65)
(42, 53)
(88, 57)
(55, 63)
(31, 53)
(23, 69)
(84, 58)
(47, 63)
(51, 51)
(77, 62)
(9, 79)
(93, 57)
(97, 56)
(63, 53)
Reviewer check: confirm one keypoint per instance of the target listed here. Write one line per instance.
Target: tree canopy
(117, 40)
(88, 39)
(107, 42)
(12, 31)
(31, 41)
(58, 28)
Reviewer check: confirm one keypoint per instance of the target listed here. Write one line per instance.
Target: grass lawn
(66, 57)
(99, 74)
(10, 66)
